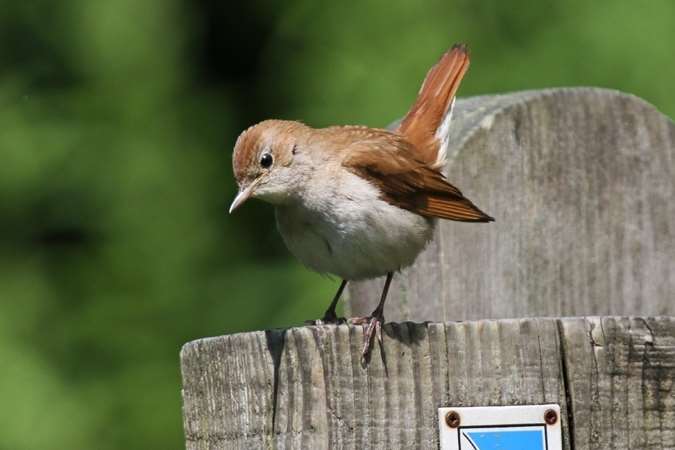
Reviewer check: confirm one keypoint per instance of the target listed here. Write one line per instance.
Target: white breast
(347, 230)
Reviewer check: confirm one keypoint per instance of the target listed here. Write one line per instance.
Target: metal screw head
(452, 419)
(550, 416)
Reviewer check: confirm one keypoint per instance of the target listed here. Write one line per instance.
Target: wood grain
(620, 374)
(581, 183)
(306, 387)
(325, 398)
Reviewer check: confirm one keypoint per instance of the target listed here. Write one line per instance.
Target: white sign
(530, 427)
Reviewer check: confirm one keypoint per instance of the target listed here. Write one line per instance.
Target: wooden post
(582, 184)
(305, 388)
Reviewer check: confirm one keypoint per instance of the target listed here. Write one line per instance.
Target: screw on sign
(452, 419)
(550, 416)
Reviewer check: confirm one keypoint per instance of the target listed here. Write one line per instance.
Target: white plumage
(347, 230)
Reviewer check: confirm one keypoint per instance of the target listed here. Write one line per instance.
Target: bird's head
(263, 161)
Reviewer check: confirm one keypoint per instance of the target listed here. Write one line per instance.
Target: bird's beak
(243, 195)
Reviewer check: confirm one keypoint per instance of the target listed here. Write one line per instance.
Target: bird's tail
(427, 124)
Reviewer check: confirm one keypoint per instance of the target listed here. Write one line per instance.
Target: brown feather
(389, 162)
(435, 97)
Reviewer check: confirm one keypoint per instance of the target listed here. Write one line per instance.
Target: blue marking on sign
(507, 439)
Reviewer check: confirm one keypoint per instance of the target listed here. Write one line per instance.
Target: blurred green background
(117, 121)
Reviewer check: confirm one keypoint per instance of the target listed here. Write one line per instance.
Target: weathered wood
(306, 387)
(581, 183)
(620, 375)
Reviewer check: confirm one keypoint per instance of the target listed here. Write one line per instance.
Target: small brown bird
(355, 201)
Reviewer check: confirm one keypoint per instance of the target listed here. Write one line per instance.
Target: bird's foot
(327, 319)
(373, 327)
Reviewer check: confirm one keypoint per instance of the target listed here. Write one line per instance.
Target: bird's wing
(389, 163)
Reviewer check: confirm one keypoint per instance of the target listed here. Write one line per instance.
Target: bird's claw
(327, 320)
(358, 320)
(373, 329)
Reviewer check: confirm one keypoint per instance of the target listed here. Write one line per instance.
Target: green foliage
(115, 174)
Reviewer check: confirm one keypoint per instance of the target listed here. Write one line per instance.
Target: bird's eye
(266, 160)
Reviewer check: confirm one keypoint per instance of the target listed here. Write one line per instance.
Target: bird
(359, 202)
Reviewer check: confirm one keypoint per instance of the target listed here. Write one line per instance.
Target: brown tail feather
(436, 95)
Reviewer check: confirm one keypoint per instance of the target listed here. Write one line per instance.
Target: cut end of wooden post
(306, 388)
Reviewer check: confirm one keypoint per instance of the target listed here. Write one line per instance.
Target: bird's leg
(330, 316)
(374, 321)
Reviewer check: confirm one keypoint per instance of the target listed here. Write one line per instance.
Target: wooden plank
(581, 182)
(226, 398)
(620, 374)
(306, 387)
